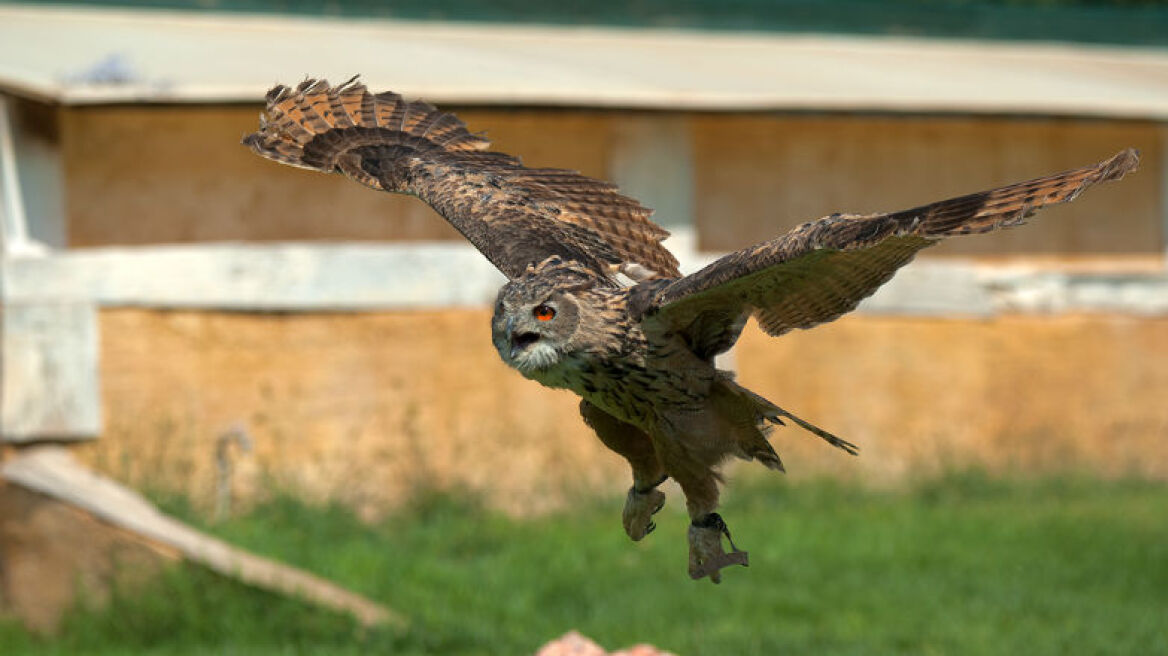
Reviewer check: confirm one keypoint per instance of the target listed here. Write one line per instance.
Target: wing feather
(515, 215)
(824, 268)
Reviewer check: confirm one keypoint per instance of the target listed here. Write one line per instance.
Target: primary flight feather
(642, 356)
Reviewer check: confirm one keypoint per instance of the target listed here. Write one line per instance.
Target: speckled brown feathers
(824, 268)
(640, 357)
(515, 215)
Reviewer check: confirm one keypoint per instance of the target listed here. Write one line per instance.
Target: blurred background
(302, 367)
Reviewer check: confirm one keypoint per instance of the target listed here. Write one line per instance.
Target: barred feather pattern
(641, 357)
(516, 216)
(824, 268)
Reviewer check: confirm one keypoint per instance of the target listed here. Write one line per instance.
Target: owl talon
(706, 555)
(639, 509)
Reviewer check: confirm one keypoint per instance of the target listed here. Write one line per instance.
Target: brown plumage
(515, 215)
(640, 357)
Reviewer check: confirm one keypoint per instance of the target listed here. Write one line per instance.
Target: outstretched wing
(515, 215)
(824, 268)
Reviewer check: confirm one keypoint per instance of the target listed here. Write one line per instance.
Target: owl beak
(520, 342)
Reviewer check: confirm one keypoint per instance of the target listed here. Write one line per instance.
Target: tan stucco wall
(140, 175)
(364, 408)
(144, 175)
(758, 176)
(1030, 393)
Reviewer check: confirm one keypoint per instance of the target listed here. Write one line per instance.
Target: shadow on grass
(963, 564)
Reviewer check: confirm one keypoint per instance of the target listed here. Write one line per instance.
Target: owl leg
(706, 555)
(634, 445)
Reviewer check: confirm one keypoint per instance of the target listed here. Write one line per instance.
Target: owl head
(537, 315)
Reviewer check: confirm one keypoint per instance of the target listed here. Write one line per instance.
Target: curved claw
(706, 556)
(639, 509)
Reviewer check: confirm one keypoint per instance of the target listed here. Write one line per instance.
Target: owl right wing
(514, 215)
(824, 268)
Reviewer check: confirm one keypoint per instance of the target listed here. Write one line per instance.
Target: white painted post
(1164, 191)
(48, 372)
(48, 344)
(652, 161)
(32, 190)
(12, 228)
(14, 237)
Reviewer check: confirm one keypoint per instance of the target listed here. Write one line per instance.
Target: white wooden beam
(368, 277)
(652, 160)
(1029, 290)
(309, 277)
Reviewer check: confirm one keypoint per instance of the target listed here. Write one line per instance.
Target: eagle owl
(595, 304)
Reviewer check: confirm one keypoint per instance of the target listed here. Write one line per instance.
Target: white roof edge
(101, 56)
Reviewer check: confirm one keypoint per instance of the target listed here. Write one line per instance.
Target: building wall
(755, 175)
(195, 182)
(1027, 393)
(367, 408)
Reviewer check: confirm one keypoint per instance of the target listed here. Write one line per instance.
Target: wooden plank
(927, 288)
(1030, 290)
(369, 277)
(263, 277)
(51, 470)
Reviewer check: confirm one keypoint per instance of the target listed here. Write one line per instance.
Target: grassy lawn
(960, 565)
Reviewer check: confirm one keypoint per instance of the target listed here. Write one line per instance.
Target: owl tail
(320, 127)
(838, 443)
(746, 416)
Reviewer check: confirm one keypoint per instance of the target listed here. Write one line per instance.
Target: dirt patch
(53, 555)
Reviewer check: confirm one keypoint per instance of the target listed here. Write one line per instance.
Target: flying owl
(595, 304)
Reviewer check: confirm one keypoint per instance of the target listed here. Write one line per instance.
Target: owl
(595, 304)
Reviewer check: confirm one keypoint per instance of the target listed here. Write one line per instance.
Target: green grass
(962, 565)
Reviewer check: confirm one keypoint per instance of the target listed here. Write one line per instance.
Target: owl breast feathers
(595, 304)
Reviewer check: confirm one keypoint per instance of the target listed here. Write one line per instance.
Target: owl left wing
(516, 216)
(824, 268)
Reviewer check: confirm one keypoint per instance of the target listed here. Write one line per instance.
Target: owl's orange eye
(544, 313)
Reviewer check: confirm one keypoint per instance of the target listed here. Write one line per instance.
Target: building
(162, 285)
